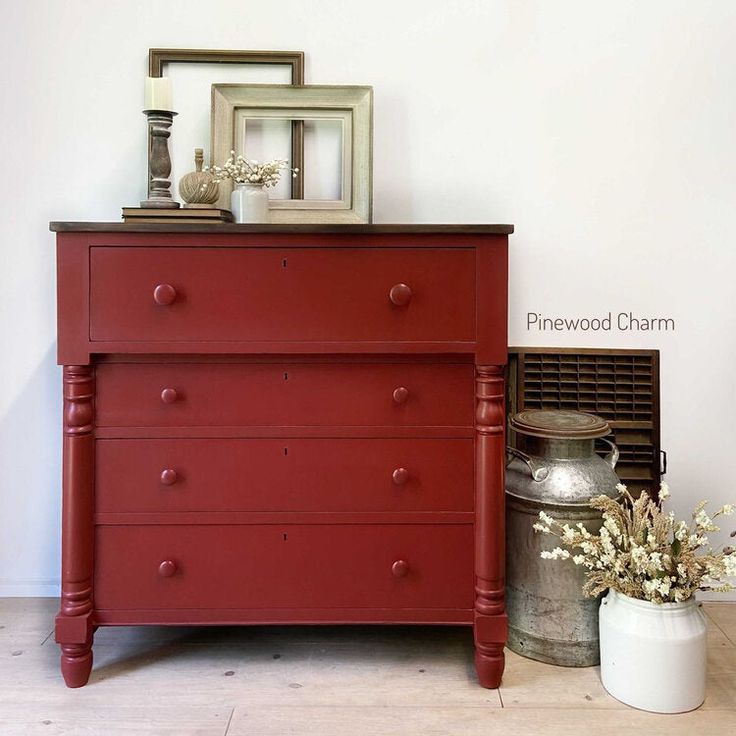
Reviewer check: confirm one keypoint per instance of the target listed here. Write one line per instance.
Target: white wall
(603, 130)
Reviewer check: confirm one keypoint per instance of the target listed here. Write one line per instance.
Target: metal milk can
(555, 470)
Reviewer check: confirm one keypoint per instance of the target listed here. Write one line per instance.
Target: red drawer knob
(401, 394)
(164, 294)
(169, 395)
(400, 295)
(400, 476)
(400, 569)
(168, 477)
(167, 568)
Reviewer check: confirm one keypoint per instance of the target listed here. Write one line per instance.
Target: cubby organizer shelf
(622, 386)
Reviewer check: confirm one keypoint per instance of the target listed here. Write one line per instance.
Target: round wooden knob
(169, 395)
(401, 394)
(164, 294)
(400, 295)
(168, 477)
(400, 476)
(167, 568)
(400, 569)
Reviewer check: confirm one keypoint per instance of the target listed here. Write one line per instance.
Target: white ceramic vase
(653, 655)
(249, 203)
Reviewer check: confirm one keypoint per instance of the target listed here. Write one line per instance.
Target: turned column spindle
(490, 617)
(74, 625)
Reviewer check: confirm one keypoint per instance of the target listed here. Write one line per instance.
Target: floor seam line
(712, 621)
(229, 721)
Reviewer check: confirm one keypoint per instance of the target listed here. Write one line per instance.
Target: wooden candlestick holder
(159, 160)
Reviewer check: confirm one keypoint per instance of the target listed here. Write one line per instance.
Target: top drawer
(282, 294)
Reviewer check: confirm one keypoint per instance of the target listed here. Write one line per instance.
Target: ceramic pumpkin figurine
(198, 189)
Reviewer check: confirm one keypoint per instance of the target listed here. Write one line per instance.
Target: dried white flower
(556, 554)
(702, 519)
(613, 528)
(655, 562)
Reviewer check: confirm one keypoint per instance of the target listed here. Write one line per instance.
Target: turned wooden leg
(489, 664)
(74, 624)
(490, 625)
(76, 663)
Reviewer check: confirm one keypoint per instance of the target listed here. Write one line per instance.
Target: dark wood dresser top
(229, 228)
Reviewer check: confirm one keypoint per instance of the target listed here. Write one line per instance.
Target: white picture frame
(233, 104)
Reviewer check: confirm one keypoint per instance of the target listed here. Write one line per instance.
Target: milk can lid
(559, 424)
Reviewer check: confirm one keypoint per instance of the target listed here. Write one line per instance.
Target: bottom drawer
(388, 566)
(284, 475)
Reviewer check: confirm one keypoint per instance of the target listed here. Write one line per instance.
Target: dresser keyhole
(283, 263)
(286, 450)
(286, 536)
(286, 376)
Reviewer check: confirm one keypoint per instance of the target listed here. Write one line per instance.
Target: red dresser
(282, 424)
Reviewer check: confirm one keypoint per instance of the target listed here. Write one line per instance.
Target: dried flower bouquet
(243, 171)
(642, 552)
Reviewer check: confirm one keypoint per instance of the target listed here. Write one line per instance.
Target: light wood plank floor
(346, 681)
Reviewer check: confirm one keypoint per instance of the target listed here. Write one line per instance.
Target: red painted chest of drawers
(282, 424)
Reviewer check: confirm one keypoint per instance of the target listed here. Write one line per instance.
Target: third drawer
(327, 475)
(293, 394)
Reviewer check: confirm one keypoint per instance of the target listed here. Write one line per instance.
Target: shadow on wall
(30, 485)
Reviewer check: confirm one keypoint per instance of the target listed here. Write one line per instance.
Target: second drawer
(294, 394)
(284, 475)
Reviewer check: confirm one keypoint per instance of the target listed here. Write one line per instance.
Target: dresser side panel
(492, 301)
(72, 299)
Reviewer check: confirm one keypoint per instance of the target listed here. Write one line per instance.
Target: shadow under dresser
(282, 424)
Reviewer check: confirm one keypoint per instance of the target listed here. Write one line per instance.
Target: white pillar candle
(158, 94)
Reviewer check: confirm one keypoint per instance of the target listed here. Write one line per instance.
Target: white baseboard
(29, 588)
(729, 597)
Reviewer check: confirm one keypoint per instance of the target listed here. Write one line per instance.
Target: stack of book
(180, 214)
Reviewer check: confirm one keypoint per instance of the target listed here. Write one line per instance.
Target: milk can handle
(538, 474)
(612, 457)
